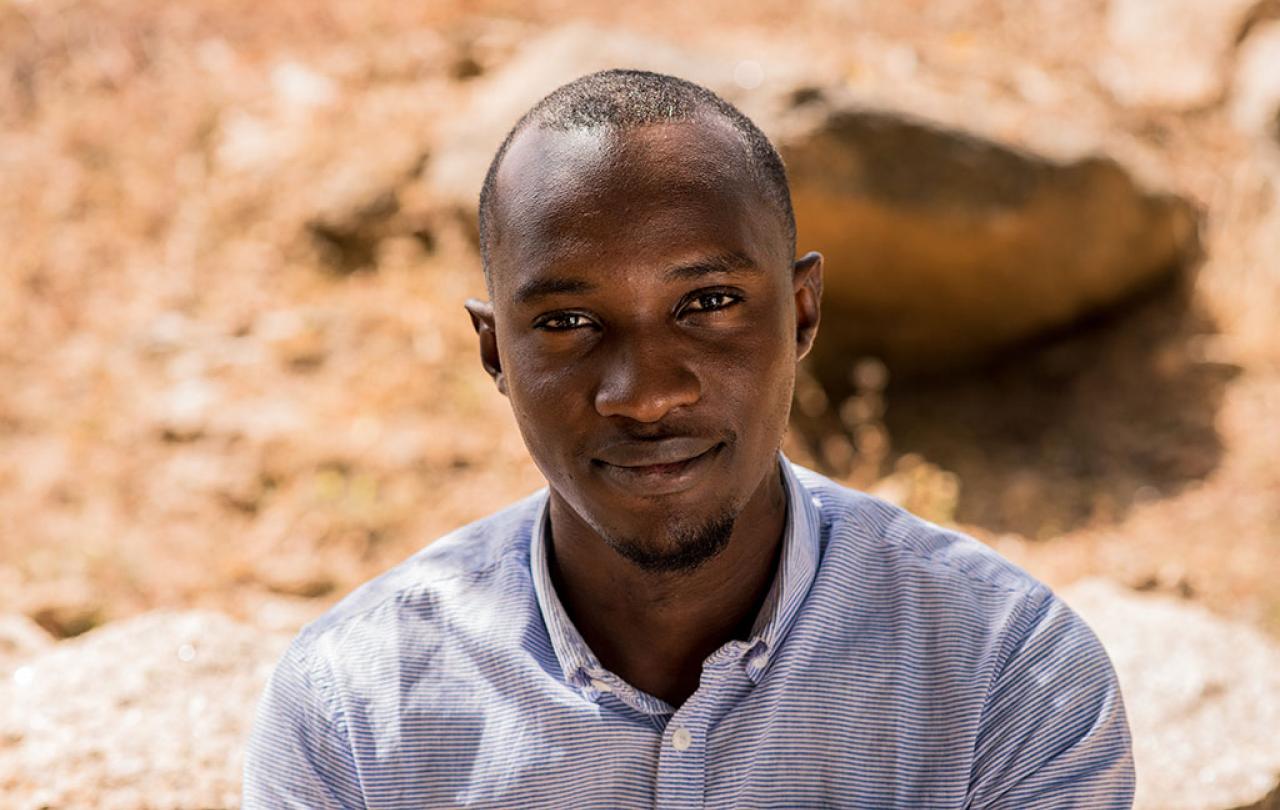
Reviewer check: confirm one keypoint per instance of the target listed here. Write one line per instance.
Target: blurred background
(236, 378)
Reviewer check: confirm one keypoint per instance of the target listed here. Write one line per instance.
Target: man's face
(644, 326)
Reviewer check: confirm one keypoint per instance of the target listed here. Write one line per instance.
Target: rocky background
(236, 378)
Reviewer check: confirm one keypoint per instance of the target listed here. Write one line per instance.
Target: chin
(682, 545)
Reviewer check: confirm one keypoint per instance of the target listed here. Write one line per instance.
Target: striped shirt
(894, 663)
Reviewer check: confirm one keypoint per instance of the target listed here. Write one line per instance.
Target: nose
(644, 383)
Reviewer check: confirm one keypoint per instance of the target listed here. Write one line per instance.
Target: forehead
(627, 199)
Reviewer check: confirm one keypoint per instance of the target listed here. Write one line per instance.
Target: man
(683, 618)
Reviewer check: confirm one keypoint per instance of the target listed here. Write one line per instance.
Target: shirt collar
(797, 566)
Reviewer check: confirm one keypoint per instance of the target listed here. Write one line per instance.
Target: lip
(661, 467)
(654, 452)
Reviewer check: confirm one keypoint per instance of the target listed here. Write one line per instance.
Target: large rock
(1203, 698)
(1171, 54)
(945, 241)
(151, 712)
(944, 247)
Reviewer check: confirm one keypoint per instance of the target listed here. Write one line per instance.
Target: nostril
(639, 406)
(647, 399)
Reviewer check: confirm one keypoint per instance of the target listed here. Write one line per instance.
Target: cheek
(546, 398)
(758, 368)
(545, 380)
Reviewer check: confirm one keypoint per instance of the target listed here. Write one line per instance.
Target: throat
(656, 631)
(655, 628)
(669, 674)
(663, 653)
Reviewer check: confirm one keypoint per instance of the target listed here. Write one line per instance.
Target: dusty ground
(198, 407)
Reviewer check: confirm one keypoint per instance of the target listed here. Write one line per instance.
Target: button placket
(682, 761)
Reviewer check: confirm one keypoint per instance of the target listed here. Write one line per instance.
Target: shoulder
(886, 542)
(423, 625)
(958, 611)
(923, 589)
(982, 636)
(423, 596)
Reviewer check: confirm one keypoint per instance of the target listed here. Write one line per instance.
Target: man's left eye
(711, 301)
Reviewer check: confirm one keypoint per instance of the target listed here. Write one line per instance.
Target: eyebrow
(722, 263)
(543, 287)
(729, 263)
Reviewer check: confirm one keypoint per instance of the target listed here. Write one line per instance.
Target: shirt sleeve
(1053, 732)
(298, 754)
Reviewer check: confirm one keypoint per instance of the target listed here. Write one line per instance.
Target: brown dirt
(198, 409)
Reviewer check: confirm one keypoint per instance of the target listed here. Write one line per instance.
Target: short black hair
(623, 99)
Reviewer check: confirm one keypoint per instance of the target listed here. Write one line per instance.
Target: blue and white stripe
(894, 664)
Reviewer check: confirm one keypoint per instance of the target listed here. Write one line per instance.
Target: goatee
(688, 548)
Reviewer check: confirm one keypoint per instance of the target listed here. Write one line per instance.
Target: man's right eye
(562, 322)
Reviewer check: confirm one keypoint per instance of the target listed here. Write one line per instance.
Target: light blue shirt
(893, 664)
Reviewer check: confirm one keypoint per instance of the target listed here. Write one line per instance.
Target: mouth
(662, 467)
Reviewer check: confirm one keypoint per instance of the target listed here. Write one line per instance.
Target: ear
(806, 277)
(481, 313)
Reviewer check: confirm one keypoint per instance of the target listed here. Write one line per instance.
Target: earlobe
(807, 284)
(482, 321)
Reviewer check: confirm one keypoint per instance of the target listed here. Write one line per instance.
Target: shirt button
(681, 739)
(760, 661)
(601, 686)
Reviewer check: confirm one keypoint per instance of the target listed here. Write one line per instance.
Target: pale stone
(1202, 695)
(149, 712)
(1170, 54)
(1255, 97)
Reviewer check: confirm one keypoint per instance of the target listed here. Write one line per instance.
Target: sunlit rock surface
(151, 712)
(1255, 103)
(1202, 694)
(1171, 54)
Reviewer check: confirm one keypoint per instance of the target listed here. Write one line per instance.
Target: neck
(654, 629)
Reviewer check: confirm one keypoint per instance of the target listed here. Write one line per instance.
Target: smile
(661, 467)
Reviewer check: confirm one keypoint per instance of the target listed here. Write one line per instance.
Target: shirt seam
(1012, 638)
(335, 717)
(1010, 646)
